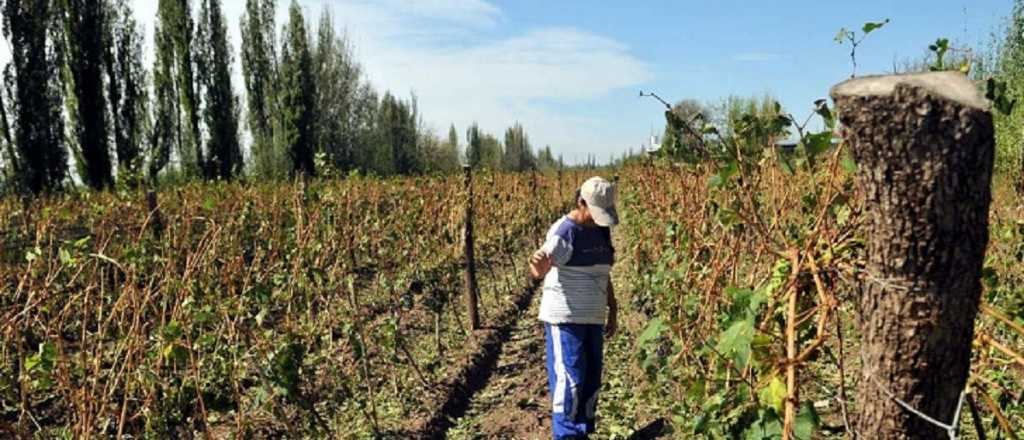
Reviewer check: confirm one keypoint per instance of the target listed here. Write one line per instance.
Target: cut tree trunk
(923, 144)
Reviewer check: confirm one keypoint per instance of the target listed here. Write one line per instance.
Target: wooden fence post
(470, 275)
(923, 144)
(561, 190)
(536, 204)
(156, 217)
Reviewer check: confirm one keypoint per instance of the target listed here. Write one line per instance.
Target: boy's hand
(540, 264)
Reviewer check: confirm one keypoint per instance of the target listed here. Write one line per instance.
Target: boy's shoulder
(563, 228)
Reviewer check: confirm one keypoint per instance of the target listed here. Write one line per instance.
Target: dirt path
(514, 404)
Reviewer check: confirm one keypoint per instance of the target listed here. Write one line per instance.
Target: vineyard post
(470, 275)
(536, 202)
(561, 191)
(154, 213)
(923, 144)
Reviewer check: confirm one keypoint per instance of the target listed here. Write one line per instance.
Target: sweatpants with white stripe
(574, 356)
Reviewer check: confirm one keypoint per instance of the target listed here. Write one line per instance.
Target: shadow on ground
(653, 430)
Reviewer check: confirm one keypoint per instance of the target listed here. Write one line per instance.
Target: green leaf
(872, 26)
(734, 343)
(773, 395)
(653, 330)
(849, 164)
(807, 422)
(842, 35)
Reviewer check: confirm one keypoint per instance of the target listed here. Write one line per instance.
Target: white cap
(600, 197)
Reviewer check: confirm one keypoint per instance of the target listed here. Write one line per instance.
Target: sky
(571, 71)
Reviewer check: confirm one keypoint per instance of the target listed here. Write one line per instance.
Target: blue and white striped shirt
(576, 288)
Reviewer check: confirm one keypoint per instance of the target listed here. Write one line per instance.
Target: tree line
(80, 105)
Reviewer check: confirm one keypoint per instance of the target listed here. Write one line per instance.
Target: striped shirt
(576, 288)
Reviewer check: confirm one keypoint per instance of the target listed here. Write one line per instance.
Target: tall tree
(259, 70)
(166, 135)
(174, 21)
(397, 122)
(11, 159)
(338, 79)
(220, 112)
(84, 28)
(32, 30)
(298, 93)
(126, 88)
(518, 154)
(474, 147)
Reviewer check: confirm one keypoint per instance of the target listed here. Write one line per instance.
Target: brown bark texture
(924, 150)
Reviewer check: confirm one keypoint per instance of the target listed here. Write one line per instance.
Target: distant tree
(546, 159)
(474, 147)
(453, 137)
(678, 143)
(490, 152)
(259, 71)
(126, 87)
(438, 156)
(32, 29)
(166, 135)
(518, 154)
(10, 157)
(397, 125)
(84, 28)
(363, 124)
(338, 81)
(221, 110)
(183, 33)
(298, 94)
(176, 58)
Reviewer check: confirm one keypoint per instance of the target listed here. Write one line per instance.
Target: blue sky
(570, 71)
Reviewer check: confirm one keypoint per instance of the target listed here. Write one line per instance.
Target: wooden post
(470, 276)
(157, 218)
(536, 204)
(561, 190)
(924, 148)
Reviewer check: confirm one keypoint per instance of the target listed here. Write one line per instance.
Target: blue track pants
(574, 355)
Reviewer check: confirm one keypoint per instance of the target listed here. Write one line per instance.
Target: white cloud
(446, 52)
(461, 76)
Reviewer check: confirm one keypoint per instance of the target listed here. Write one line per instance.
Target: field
(334, 308)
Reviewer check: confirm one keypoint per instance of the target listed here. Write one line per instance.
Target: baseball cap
(600, 197)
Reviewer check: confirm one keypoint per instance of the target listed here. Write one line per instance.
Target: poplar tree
(126, 88)
(176, 46)
(338, 79)
(84, 28)
(474, 146)
(259, 71)
(298, 94)
(166, 133)
(33, 32)
(220, 112)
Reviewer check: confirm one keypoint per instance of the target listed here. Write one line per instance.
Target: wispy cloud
(460, 75)
(447, 53)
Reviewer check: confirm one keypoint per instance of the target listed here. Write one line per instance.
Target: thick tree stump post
(924, 148)
(467, 239)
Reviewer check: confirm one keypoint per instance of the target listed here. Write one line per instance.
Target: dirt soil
(514, 405)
